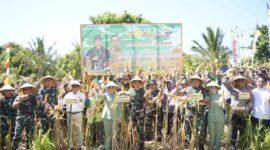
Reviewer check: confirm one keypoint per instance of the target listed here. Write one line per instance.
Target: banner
(132, 46)
(235, 47)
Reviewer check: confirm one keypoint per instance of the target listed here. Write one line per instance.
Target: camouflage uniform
(137, 113)
(25, 120)
(42, 111)
(150, 118)
(201, 114)
(8, 115)
(103, 54)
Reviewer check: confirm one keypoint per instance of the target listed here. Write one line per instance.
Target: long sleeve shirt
(76, 107)
(261, 106)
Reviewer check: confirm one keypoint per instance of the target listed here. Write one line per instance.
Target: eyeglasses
(110, 87)
(75, 86)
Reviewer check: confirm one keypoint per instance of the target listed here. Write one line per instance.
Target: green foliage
(255, 138)
(70, 64)
(42, 142)
(212, 49)
(44, 58)
(21, 61)
(110, 17)
(262, 54)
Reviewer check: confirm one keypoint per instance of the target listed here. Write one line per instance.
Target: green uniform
(111, 113)
(150, 119)
(25, 120)
(137, 113)
(216, 121)
(200, 126)
(43, 110)
(103, 56)
(8, 117)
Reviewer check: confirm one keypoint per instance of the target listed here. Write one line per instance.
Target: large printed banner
(121, 46)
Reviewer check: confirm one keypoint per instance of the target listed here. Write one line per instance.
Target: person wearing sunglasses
(111, 114)
(216, 116)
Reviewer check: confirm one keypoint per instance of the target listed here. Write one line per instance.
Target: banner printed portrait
(118, 46)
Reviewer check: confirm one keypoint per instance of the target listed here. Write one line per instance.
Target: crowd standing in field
(190, 110)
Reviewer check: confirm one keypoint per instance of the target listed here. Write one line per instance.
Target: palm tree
(46, 57)
(213, 50)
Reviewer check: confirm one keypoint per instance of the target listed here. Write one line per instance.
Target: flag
(256, 37)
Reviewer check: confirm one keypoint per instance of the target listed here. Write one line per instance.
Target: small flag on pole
(7, 64)
(256, 37)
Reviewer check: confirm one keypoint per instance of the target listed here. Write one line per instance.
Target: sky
(59, 20)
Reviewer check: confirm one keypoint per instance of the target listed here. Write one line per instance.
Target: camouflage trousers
(26, 123)
(151, 125)
(7, 125)
(200, 125)
(138, 123)
(45, 123)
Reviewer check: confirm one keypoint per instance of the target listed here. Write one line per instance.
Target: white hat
(111, 84)
(42, 80)
(213, 84)
(136, 78)
(7, 87)
(75, 82)
(27, 85)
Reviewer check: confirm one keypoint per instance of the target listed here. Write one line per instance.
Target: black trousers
(265, 123)
(238, 123)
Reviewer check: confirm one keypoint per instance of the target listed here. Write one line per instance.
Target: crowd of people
(155, 106)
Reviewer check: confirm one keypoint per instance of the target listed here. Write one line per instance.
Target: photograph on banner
(118, 46)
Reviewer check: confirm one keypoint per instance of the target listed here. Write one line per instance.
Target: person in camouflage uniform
(137, 102)
(25, 104)
(151, 113)
(8, 114)
(196, 88)
(48, 96)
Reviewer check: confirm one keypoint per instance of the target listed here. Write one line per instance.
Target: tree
(22, 62)
(110, 17)
(70, 64)
(45, 57)
(262, 54)
(212, 49)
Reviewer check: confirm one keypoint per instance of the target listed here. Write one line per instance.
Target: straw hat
(111, 84)
(27, 85)
(246, 81)
(75, 82)
(213, 84)
(7, 87)
(136, 78)
(195, 77)
(42, 80)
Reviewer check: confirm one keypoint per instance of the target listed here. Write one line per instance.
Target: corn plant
(42, 141)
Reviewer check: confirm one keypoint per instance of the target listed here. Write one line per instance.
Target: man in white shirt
(261, 106)
(75, 103)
